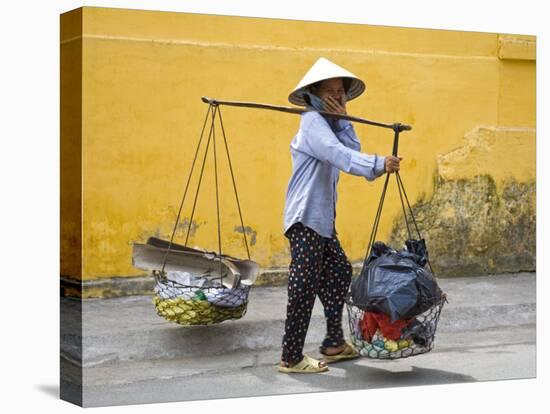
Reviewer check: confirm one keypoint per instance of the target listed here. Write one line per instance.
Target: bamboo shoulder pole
(294, 110)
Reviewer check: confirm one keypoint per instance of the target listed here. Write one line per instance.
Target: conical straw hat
(321, 70)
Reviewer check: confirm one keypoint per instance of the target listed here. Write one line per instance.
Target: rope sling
(424, 324)
(220, 293)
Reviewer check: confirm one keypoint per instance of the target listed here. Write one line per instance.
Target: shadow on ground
(354, 375)
(49, 389)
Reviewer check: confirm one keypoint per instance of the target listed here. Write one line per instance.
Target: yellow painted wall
(144, 72)
(71, 146)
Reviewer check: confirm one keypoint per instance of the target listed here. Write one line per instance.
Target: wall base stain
(471, 229)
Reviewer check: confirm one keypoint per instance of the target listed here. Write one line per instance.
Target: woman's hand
(335, 105)
(392, 164)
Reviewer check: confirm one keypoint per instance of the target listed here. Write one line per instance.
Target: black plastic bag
(396, 282)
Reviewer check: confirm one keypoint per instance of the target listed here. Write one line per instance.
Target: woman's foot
(339, 353)
(334, 350)
(307, 365)
(321, 364)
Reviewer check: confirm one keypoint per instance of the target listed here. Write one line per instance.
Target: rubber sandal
(307, 365)
(349, 352)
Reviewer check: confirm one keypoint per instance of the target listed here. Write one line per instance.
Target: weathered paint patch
(249, 231)
(471, 229)
(183, 226)
(502, 152)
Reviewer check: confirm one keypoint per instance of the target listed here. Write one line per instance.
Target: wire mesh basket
(194, 286)
(205, 303)
(403, 339)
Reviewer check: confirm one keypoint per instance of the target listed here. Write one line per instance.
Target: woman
(320, 150)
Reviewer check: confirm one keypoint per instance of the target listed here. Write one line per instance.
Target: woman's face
(332, 87)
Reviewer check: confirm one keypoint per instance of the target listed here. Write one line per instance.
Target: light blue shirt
(319, 152)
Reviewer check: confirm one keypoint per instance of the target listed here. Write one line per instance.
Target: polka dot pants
(320, 267)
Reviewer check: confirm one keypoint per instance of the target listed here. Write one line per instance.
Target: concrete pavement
(493, 354)
(125, 337)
